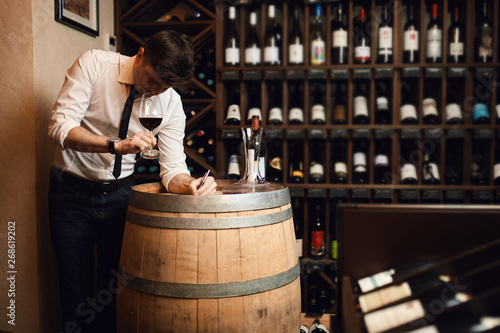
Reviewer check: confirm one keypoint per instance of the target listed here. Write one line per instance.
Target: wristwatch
(111, 144)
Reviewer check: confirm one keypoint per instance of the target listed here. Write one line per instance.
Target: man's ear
(140, 55)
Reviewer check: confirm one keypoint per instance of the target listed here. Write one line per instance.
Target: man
(88, 196)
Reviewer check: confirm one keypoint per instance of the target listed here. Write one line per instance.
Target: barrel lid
(153, 196)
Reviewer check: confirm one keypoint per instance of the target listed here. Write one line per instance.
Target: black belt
(87, 186)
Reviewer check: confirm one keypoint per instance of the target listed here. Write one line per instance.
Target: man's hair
(171, 55)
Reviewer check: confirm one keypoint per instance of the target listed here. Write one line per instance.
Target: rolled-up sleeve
(170, 140)
(73, 100)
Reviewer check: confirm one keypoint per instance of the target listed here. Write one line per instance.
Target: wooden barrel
(219, 263)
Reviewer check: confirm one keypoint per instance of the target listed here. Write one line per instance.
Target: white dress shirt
(93, 95)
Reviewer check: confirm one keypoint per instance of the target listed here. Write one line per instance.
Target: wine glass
(150, 116)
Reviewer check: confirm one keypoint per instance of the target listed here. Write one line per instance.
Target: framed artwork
(79, 14)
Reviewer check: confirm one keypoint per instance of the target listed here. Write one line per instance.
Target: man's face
(146, 80)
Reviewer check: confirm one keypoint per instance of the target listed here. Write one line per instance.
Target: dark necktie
(122, 133)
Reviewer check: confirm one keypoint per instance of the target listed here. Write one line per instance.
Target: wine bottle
(231, 44)
(430, 172)
(434, 38)
(359, 161)
(296, 113)
(453, 110)
(411, 52)
(339, 159)
(456, 35)
(339, 114)
(480, 113)
(430, 115)
(253, 97)
(382, 167)
(316, 166)
(298, 219)
(408, 109)
(484, 35)
(382, 112)
(317, 37)
(408, 165)
(318, 327)
(233, 168)
(296, 174)
(453, 161)
(275, 103)
(254, 150)
(385, 41)
(362, 41)
(252, 43)
(273, 38)
(340, 47)
(318, 116)
(295, 40)
(274, 170)
(317, 222)
(360, 104)
(233, 114)
(479, 170)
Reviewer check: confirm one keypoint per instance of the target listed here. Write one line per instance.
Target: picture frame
(82, 15)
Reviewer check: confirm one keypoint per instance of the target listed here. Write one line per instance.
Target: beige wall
(37, 50)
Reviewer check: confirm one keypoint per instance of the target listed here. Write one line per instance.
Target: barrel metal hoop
(210, 290)
(231, 222)
(166, 202)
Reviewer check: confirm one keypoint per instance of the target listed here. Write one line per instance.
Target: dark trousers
(83, 225)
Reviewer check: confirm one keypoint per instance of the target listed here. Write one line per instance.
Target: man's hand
(133, 144)
(185, 184)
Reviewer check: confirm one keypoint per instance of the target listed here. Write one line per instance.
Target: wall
(37, 52)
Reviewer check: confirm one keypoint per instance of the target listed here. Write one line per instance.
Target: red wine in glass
(150, 116)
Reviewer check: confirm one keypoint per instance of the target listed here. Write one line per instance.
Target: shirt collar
(126, 75)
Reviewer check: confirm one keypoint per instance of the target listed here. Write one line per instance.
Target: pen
(204, 178)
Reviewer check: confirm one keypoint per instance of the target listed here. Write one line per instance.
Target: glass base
(249, 187)
(150, 154)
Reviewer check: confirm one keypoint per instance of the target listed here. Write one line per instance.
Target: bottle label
(234, 165)
(383, 320)
(339, 38)
(296, 53)
(317, 52)
(318, 241)
(429, 107)
(252, 175)
(485, 50)
(457, 49)
(410, 42)
(276, 114)
(233, 112)
(271, 54)
(434, 37)
(316, 169)
(296, 114)
(497, 108)
(340, 167)
(381, 160)
(359, 161)
(339, 113)
(318, 112)
(252, 55)
(299, 244)
(382, 103)
(297, 173)
(385, 40)
(253, 112)
(362, 53)
(408, 170)
(384, 296)
(232, 55)
(496, 171)
(335, 251)
(431, 171)
(480, 111)
(426, 329)
(375, 281)
(453, 111)
(408, 111)
(360, 106)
